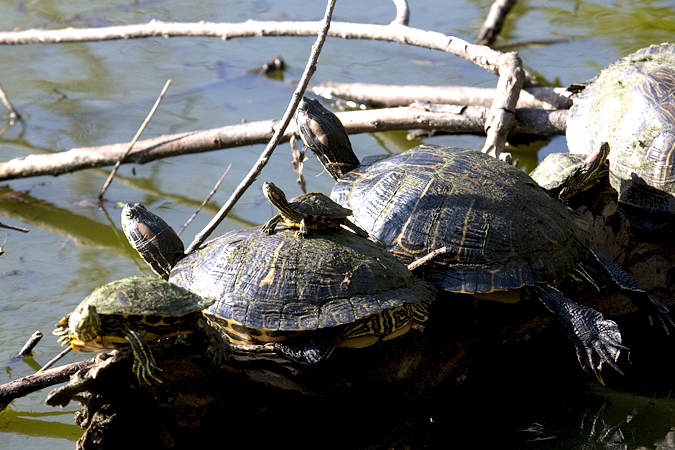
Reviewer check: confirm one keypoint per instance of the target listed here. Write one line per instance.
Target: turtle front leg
(595, 339)
(219, 350)
(271, 224)
(144, 366)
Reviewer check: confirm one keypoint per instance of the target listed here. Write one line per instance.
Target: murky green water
(92, 94)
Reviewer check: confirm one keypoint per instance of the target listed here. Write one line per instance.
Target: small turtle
(313, 210)
(564, 175)
(133, 311)
(302, 297)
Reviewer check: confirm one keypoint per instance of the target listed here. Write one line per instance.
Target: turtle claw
(596, 340)
(604, 349)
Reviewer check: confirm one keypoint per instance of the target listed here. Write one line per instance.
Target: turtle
(564, 175)
(481, 226)
(631, 105)
(313, 210)
(301, 297)
(132, 311)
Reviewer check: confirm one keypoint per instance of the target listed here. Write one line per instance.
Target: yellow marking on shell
(465, 227)
(269, 278)
(405, 227)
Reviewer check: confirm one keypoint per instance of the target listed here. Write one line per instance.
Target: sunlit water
(92, 94)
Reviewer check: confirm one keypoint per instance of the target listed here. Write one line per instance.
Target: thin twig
(54, 360)
(206, 200)
(133, 141)
(279, 132)
(299, 159)
(13, 115)
(13, 227)
(427, 258)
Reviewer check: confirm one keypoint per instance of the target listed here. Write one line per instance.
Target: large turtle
(133, 311)
(272, 290)
(486, 227)
(631, 105)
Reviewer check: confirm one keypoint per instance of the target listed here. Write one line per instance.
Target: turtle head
(156, 242)
(277, 198)
(323, 132)
(84, 323)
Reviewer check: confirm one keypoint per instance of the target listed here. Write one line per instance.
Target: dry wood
(507, 65)
(471, 120)
(392, 95)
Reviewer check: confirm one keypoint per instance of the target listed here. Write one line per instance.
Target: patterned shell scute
(631, 105)
(145, 296)
(501, 229)
(289, 283)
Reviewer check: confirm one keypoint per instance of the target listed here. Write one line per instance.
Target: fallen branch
(508, 66)
(470, 120)
(35, 382)
(380, 95)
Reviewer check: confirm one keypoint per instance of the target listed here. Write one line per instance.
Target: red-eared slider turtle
(275, 289)
(313, 210)
(492, 229)
(133, 311)
(631, 105)
(564, 175)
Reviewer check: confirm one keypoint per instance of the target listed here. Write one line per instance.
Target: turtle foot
(595, 339)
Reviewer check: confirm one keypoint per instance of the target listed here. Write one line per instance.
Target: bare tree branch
(494, 21)
(471, 119)
(403, 95)
(508, 66)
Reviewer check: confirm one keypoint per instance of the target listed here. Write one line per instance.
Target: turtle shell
(138, 297)
(155, 306)
(500, 229)
(553, 170)
(317, 204)
(630, 104)
(281, 283)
